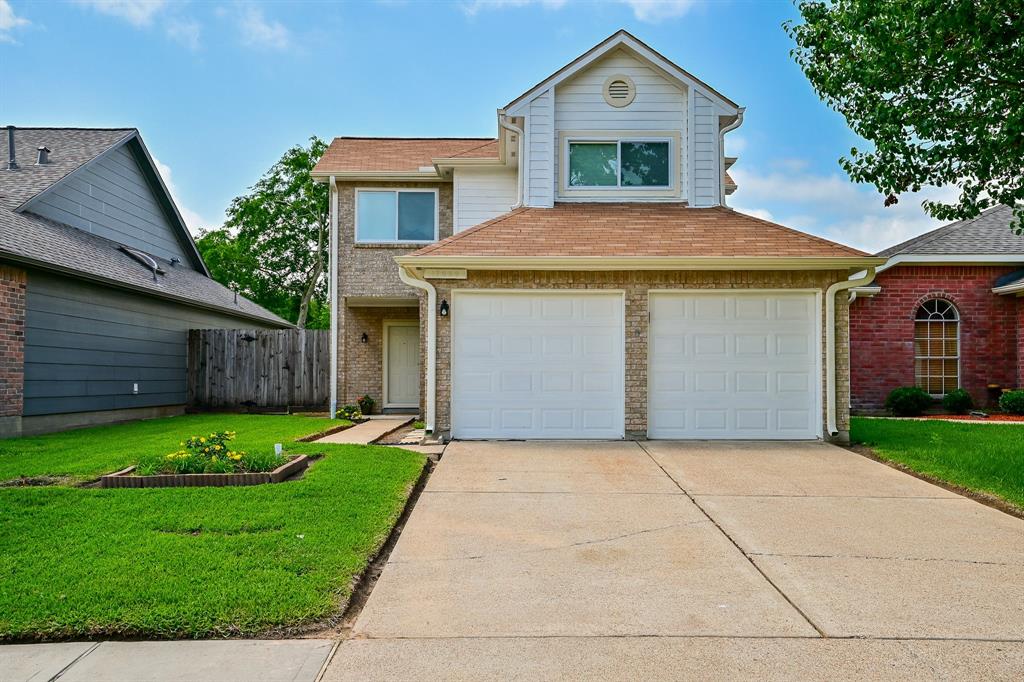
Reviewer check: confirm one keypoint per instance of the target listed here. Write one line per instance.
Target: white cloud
(185, 31)
(650, 11)
(653, 11)
(9, 22)
(734, 144)
(138, 13)
(831, 206)
(258, 31)
(193, 219)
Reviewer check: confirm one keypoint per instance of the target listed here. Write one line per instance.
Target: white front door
(537, 365)
(401, 364)
(734, 365)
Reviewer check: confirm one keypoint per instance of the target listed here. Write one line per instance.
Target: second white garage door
(537, 365)
(734, 365)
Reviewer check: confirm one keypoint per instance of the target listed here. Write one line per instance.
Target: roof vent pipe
(12, 163)
(44, 156)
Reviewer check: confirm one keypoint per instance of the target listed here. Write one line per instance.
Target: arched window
(937, 347)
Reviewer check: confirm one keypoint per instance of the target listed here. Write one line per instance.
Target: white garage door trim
(816, 432)
(611, 427)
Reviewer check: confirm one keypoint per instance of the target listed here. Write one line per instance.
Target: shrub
(908, 401)
(208, 455)
(349, 412)
(958, 401)
(419, 425)
(366, 404)
(1012, 402)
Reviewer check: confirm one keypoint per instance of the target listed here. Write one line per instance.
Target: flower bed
(207, 461)
(127, 478)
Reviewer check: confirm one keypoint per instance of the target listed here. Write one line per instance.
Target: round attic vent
(619, 90)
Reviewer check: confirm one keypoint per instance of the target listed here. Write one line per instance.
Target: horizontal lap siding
(540, 151)
(660, 105)
(705, 153)
(112, 198)
(481, 195)
(85, 346)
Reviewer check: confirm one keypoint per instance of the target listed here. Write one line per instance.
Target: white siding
(705, 153)
(660, 104)
(540, 151)
(482, 194)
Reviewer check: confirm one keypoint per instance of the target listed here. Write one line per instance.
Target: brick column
(12, 348)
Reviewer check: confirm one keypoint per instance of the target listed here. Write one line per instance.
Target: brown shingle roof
(634, 230)
(384, 154)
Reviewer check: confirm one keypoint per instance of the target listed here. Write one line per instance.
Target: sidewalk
(281, 660)
(368, 431)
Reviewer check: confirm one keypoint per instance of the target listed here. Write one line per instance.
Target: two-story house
(579, 275)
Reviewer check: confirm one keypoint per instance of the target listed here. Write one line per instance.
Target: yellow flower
(202, 440)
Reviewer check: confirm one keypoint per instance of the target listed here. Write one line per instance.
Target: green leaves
(273, 246)
(935, 86)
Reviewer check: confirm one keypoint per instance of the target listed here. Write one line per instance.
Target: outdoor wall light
(365, 338)
(444, 308)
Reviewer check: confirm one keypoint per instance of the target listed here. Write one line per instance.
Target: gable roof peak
(620, 39)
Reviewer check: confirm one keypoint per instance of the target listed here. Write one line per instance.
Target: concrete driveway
(666, 559)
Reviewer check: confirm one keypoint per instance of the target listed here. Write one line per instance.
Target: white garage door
(537, 365)
(734, 365)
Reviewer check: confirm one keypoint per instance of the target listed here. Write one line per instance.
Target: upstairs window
(937, 347)
(619, 163)
(396, 216)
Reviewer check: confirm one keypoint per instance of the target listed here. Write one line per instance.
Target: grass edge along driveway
(190, 562)
(984, 458)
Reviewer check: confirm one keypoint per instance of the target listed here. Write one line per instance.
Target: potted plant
(366, 404)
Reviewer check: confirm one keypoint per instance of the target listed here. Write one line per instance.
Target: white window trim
(926, 358)
(395, 191)
(618, 191)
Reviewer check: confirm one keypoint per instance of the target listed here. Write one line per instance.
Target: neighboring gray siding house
(100, 282)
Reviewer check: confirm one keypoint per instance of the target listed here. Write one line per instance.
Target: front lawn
(188, 562)
(987, 458)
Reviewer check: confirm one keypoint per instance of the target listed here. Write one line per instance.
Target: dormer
(622, 123)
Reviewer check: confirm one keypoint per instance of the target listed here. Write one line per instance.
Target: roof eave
(605, 263)
(618, 39)
(1016, 288)
(119, 284)
(952, 258)
(402, 176)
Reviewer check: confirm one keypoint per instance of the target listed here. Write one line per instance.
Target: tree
(273, 246)
(937, 88)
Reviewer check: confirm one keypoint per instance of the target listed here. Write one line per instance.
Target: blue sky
(219, 89)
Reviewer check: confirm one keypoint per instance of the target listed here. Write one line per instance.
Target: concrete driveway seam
(883, 558)
(734, 543)
(72, 663)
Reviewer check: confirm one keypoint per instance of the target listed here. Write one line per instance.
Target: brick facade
(13, 284)
(636, 285)
(366, 271)
(882, 331)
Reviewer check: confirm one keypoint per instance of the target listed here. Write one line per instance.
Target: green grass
(981, 457)
(188, 562)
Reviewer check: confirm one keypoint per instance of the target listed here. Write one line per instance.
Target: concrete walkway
(368, 431)
(296, 660)
(690, 560)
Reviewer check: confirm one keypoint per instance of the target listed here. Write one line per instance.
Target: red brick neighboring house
(944, 312)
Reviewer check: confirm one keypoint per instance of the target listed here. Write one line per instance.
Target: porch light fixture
(364, 338)
(444, 308)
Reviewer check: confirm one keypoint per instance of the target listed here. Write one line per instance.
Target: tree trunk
(307, 295)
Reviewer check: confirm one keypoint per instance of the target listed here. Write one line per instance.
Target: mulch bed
(998, 417)
(126, 478)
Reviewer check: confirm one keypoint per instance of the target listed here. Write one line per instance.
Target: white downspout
(333, 239)
(732, 126)
(521, 140)
(413, 280)
(830, 344)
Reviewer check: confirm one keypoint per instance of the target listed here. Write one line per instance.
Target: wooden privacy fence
(258, 368)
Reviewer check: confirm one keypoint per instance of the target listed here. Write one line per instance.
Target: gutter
(415, 279)
(333, 269)
(830, 344)
(604, 263)
(503, 121)
(721, 134)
